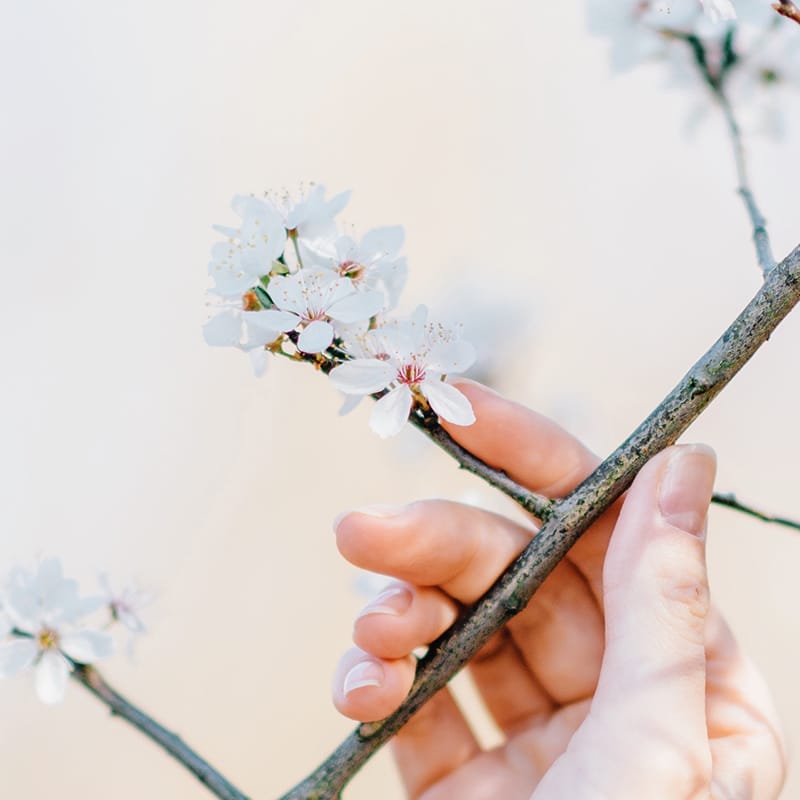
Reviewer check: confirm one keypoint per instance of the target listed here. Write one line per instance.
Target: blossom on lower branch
(408, 360)
(43, 612)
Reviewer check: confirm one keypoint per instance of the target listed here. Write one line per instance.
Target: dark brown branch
(535, 504)
(730, 501)
(788, 9)
(171, 742)
(568, 519)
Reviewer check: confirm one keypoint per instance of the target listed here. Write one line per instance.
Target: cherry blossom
(718, 10)
(310, 301)
(373, 263)
(124, 605)
(410, 359)
(44, 610)
(310, 218)
(250, 250)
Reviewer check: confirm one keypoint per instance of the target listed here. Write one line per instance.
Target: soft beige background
(493, 132)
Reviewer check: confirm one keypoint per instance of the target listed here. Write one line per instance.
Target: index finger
(539, 454)
(530, 448)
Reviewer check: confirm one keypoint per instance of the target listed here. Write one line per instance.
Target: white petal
(224, 330)
(259, 332)
(451, 357)
(448, 402)
(718, 10)
(288, 293)
(278, 320)
(381, 242)
(362, 376)
(337, 203)
(349, 403)
(51, 676)
(356, 307)
(391, 412)
(258, 361)
(130, 621)
(5, 625)
(86, 647)
(316, 336)
(16, 656)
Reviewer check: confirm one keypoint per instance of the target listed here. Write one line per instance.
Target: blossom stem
(568, 519)
(218, 785)
(293, 237)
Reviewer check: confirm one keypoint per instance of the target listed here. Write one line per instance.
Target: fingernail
(686, 488)
(379, 511)
(394, 601)
(481, 386)
(365, 673)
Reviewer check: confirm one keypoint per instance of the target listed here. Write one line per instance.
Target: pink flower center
(411, 374)
(352, 270)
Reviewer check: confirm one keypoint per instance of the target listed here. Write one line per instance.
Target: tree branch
(760, 235)
(539, 506)
(788, 9)
(170, 742)
(730, 501)
(567, 520)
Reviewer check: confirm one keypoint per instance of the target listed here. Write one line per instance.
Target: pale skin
(619, 680)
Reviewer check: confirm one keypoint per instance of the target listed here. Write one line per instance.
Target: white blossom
(763, 83)
(250, 250)
(312, 301)
(644, 30)
(45, 609)
(374, 263)
(310, 218)
(245, 330)
(718, 10)
(411, 358)
(125, 605)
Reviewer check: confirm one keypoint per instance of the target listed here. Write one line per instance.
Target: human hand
(619, 680)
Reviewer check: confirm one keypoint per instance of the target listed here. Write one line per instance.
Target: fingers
(433, 543)
(530, 448)
(747, 747)
(538, 454)
(435, 742)
(401, 618)
(651, 691)
(556, 643)
(366, 688)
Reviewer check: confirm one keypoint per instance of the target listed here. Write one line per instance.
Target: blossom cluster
(44, 627)
(742, 46)
(289, 281)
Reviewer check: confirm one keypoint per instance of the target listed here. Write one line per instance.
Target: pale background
(494, 133)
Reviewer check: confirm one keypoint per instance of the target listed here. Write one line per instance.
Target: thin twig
(171, 742)
(730, 501)
(760, 235)
(788, 9)
(569, 518)
(715, 79)
(536, 504)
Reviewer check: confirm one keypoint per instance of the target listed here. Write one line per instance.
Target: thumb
(656, 600)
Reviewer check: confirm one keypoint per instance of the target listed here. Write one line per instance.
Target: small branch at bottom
(168, 741)
(730, 501)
